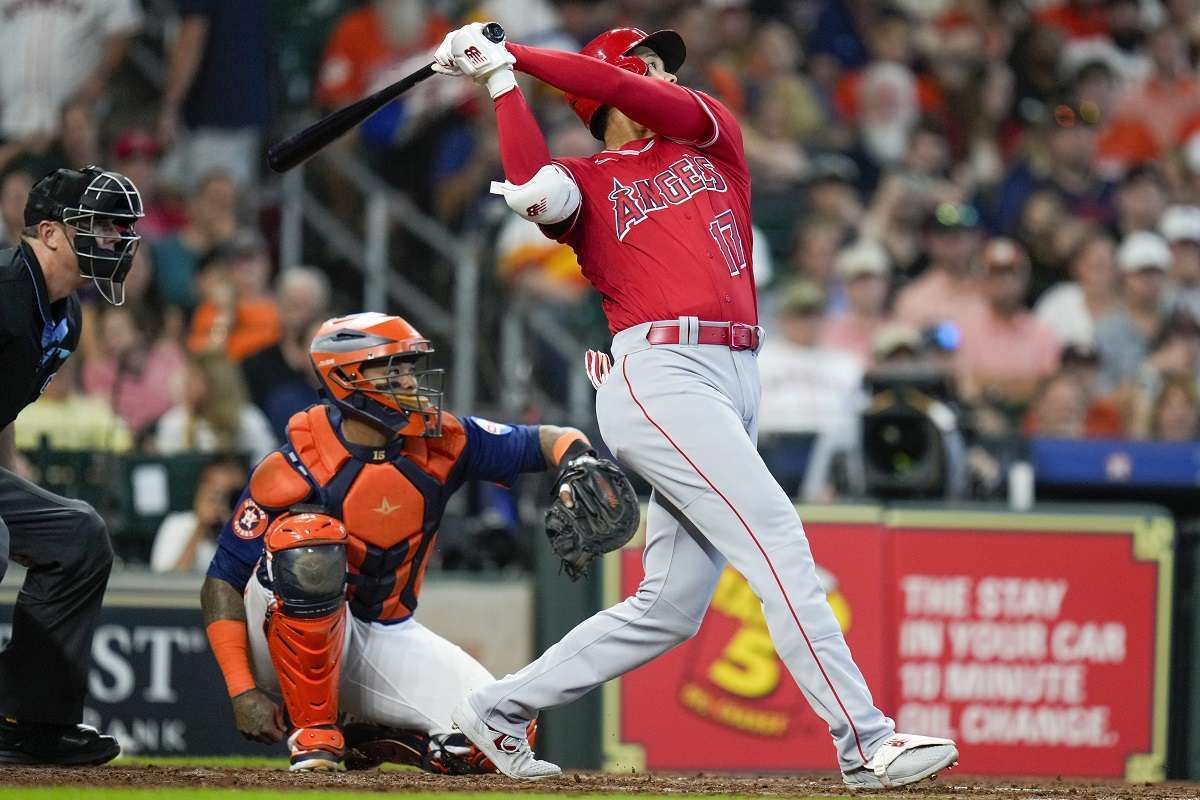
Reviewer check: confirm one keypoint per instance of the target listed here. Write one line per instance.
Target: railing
(385, 208)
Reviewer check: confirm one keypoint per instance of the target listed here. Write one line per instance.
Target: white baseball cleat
(511, 755)
(903, 759)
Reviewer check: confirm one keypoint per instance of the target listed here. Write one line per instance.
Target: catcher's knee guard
(306, 564)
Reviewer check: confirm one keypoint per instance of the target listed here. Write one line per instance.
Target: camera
(911, 444)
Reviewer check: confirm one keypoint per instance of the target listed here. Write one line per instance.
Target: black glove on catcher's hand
(604, 516)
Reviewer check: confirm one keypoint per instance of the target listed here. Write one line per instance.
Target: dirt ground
(947, 785)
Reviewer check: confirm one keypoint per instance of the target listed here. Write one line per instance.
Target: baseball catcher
(311, 594)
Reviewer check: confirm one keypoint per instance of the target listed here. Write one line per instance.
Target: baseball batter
(316, 577)
(660, 221)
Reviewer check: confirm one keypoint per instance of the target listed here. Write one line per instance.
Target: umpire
(78, 230)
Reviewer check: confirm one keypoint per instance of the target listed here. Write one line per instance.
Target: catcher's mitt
(603, 517)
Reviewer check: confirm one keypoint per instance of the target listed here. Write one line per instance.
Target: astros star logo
(386, 508)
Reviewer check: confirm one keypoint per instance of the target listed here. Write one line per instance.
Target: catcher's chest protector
(391, 505)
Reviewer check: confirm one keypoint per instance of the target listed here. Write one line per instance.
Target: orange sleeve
(231, 647)
(565, 441)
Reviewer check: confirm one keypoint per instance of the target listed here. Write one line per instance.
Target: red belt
(734, 335)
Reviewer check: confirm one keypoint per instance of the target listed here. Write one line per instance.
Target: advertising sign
(1039, 642)
(155, 686)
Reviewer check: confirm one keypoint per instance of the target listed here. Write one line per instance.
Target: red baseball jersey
(664, 227)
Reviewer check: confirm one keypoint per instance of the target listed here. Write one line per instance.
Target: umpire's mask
(100, 208)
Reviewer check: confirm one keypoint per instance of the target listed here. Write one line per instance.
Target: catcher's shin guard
(306, 629)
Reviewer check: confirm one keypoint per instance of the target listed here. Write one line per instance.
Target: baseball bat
(299, 147)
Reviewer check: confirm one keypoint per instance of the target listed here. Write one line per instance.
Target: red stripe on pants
(774, 574)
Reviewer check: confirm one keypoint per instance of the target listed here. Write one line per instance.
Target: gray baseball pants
(684, 418)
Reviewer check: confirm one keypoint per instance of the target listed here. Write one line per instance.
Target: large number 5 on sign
(724, 229)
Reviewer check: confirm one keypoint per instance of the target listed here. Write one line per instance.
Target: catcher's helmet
(614, 47)
(405, 402)
(101, 207)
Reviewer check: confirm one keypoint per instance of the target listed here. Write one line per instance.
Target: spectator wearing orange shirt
(1169, 97)
(371, 40)
(238, 315)
(1005, 350)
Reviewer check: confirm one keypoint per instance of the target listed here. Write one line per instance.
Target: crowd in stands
(1005, 191)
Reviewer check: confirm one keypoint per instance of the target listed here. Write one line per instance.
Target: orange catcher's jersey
(663, 230)
(390, 499)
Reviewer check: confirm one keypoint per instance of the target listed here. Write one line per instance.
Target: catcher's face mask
(98, 209)
(375, 368)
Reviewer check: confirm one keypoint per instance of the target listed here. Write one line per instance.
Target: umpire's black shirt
(36, 336)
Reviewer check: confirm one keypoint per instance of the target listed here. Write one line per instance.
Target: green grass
(82, 793)
(224, 762)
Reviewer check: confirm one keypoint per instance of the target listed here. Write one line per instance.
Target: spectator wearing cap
(1180, 226)
(948, 289)
(237, 316)
(137, 155)
(1005, 351)
(897, 343)
(1123, 336)
(1072, 307)
(806, 387)
(1065, 167)
(864, 269)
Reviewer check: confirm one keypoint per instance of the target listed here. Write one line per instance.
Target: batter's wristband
(569, 445)
(230, 645)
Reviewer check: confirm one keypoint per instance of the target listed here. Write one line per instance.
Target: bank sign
(1038, 642)
(155, 686)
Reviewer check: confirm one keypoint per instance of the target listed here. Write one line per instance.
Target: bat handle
(494, 32)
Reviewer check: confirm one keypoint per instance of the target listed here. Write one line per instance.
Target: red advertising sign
(1038, 642)
(724, 699)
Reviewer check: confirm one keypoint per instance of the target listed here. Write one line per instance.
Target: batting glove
(598, 365)
(443, 58)
(485, 61)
